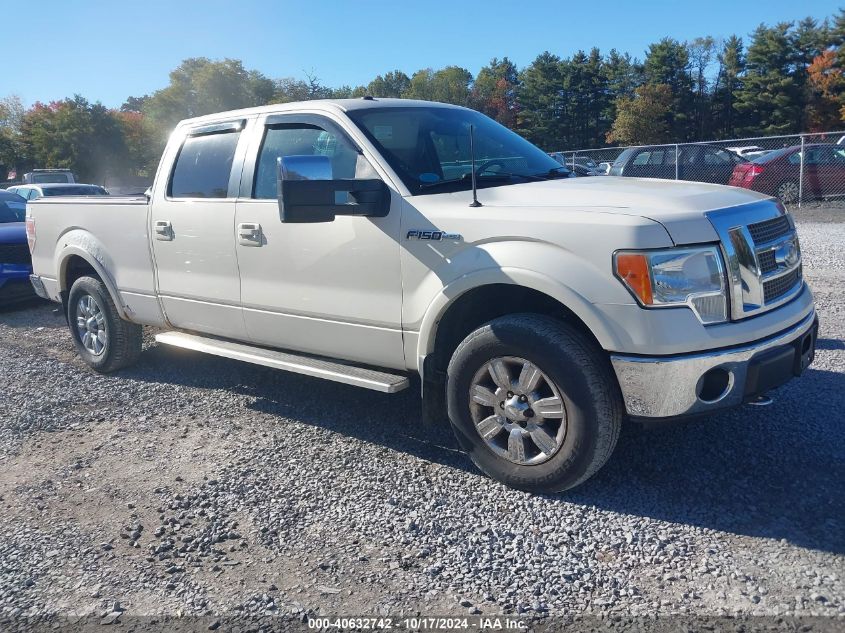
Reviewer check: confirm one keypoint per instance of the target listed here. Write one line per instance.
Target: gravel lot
(193, 485)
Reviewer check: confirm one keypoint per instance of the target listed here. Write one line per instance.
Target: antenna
(475, 202)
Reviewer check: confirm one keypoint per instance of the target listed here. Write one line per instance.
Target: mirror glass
(305, 167)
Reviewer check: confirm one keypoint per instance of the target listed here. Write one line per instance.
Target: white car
(368, 240)
(32, 192)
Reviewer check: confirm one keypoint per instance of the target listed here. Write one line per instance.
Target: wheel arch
(74, 262)
(469, 303)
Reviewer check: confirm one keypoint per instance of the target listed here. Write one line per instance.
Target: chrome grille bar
(768, 230)
(762, 256)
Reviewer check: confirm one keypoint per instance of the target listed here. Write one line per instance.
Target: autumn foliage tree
(826, 106)
(644, 118)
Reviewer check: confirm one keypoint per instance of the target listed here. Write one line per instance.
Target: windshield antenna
(475, 202)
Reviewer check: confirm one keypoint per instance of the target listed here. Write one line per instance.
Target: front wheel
(534, 403)
(103, 340)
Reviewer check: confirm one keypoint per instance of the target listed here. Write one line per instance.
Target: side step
(316, 367)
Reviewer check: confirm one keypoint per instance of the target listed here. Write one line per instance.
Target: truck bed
(89, 223)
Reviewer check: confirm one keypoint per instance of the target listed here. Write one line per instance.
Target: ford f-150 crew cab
(343, 239)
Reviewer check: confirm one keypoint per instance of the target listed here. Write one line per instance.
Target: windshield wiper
(554, 172)
(483, 177)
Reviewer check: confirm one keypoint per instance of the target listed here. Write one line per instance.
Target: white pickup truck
(345, 240)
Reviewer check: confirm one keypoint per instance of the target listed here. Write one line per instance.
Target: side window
(305, 139)
(717, 157)
(203, 166)
(826, 155)
(813, 157)
(642, 158)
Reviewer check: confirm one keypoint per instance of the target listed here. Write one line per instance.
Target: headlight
(691, 277)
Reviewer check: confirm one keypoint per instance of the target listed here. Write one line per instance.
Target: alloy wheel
(91, 325)
(517, 410)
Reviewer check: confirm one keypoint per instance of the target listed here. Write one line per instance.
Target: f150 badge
(432, 236)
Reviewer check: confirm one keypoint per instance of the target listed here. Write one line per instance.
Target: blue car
(15, 261)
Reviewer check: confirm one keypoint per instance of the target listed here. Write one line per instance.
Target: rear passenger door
(193, 234)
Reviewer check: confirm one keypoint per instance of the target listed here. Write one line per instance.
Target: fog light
(714, 385)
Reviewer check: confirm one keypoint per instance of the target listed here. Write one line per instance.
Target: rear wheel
(104, 341)
(788, 192)
(534, 402)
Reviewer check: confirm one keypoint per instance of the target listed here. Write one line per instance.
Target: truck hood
(13, 233)
(679, 206)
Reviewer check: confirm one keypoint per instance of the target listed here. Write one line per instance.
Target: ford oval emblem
(787, 254)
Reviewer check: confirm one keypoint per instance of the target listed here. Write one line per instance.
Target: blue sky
(107, 51)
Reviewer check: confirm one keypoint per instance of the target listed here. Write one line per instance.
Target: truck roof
(344, 105)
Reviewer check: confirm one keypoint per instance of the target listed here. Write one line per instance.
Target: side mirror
(308, 193)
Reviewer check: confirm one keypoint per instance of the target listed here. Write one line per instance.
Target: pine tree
(701, 51)
(622, 76)
(667, 63)
(728, 83)
(541, 102)
(770, 99)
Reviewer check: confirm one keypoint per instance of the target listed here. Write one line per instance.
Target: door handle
(164, 230)
(249, 234)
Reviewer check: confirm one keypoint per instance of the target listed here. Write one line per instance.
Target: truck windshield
(429, 148)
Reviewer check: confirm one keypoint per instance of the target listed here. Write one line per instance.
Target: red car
(778, 173)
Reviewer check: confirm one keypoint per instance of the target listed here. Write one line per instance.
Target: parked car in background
(578, 165)
(15, 262)
(42, 176)
(699, 163)
(749, 152)
(604, 167)
(778, 173)
(32, 192)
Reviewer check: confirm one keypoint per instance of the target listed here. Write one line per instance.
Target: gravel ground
(194, 485)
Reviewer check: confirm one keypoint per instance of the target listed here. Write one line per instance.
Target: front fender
(573, 281)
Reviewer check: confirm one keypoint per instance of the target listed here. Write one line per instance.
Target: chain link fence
(796, 168)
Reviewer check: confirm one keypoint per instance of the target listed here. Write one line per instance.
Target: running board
(316, 367)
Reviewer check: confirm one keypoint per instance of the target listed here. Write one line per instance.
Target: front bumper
(691, 384)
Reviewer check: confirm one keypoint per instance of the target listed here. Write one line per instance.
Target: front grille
(762, 256)
(776, 288)
(767, 261)
(769, 230)
(14, 254)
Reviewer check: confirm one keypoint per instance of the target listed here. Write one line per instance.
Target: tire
(104, 341)
(572, 369)
(788, 192)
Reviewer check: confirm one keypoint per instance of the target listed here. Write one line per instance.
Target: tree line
(785, 79)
